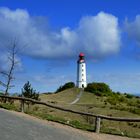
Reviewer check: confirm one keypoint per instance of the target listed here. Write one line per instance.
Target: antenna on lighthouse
(81, 71)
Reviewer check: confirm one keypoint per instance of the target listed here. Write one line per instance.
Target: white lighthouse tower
(81, 72)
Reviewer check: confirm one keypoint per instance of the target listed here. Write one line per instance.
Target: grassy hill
(63, 97)
(90, 101)
(118, 105)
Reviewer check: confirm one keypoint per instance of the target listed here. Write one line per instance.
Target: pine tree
(29, 92)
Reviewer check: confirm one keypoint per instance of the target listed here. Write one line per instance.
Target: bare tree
(8, 74)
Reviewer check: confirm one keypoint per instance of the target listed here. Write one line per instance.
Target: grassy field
(123, 107)
(99, 105)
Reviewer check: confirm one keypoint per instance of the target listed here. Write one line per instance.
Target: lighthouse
(81, 71)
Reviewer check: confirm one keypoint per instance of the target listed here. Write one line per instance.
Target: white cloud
(133, 29)
(100, 34)
(97, 36)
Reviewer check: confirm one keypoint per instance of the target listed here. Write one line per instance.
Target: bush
(65, 86)
(112, 100)
(121, 98)
(131, 103)
(135, 110)
(99, 89)
(129, 96)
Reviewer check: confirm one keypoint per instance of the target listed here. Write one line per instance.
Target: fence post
(22, 106)
(97, 124)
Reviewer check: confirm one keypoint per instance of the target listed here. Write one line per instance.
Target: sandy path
(78, 97)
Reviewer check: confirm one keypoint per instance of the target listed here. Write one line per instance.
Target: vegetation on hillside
(65, 86)
(29, 92)
(113, 98)
(98, 89)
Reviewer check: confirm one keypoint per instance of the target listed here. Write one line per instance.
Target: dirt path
(88, 135)
(78, 97)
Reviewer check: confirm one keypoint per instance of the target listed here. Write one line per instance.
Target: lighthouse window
(82, 79)
(82, 65)
(82, 70)
(82, 74)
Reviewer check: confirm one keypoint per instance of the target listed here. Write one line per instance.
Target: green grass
(64, 97)
(73, 123)
(116, 105)
(8, 106)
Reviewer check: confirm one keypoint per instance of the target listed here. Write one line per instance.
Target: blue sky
(51, 34)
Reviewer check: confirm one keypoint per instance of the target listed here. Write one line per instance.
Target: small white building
(81, 72)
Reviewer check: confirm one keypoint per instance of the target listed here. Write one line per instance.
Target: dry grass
(93, 104)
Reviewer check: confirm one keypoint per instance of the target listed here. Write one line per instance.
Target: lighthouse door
(82, 85)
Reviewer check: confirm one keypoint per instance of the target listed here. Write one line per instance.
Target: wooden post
(97, 124)
(22, 106)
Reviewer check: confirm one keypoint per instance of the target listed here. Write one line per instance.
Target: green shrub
(98, 88)
(112, 100)
(65, 86)
(135, 110)
(121, 98)
(132, 103)
(128, 95)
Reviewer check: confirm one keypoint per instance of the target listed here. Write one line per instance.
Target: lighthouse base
(81, 84)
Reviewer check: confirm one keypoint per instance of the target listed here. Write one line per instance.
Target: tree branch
(1, 83)
(4, 73)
